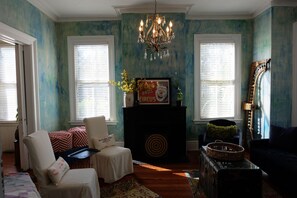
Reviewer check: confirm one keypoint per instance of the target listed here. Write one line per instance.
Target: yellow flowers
(126, 85)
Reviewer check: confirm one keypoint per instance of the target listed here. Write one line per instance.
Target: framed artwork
(153, 91)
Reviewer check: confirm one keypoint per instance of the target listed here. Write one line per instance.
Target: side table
(82, 157)
(231, 179)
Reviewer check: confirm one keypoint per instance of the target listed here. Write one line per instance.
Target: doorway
(27, 84)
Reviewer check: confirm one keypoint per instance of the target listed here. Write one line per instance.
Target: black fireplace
(155, 132)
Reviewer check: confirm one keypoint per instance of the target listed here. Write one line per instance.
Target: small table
(229, 178)
(82, 157)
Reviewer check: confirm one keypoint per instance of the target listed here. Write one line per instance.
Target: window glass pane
(8, 89)
(217, 78)
(91, 64)
(92, 100)
(217, 100)
(217, 61)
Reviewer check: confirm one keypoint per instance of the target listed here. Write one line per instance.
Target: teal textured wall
(281, 69)
(262, 51)
(243, 27)
(85, 29)
(133, 52)
(179, 66)
(22, 16)
(269, 34)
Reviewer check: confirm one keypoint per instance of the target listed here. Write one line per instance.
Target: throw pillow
(284, 138)
(104, 142)
(221, 132)
(58, 170)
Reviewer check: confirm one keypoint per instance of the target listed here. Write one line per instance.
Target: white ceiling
(78, 10)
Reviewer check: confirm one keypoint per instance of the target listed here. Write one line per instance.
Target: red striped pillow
(61, 140)
(79, 136)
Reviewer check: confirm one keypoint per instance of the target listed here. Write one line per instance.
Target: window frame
(217, 38)
(90, 40)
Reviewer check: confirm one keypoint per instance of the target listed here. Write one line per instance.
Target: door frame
(29, 43)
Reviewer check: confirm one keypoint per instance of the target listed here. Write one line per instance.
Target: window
(91, 66)
(8, 83)
(217, 76)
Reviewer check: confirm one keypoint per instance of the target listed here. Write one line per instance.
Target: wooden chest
(221, 179)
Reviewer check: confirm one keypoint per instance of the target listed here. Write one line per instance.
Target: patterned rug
(193, 179)
(126, 188)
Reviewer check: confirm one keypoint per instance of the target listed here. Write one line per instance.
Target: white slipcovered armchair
(111, 162)
(68, 183)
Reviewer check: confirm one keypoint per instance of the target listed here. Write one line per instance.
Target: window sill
(197, 122)
(81, 123)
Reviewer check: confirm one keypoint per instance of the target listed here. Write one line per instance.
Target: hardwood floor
(166, 179)
(8, 163)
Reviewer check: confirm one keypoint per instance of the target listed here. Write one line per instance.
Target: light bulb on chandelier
(156, 39)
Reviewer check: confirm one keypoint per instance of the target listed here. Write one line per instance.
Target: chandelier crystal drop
(156, 39)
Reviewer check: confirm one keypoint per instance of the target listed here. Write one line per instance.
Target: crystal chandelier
(154, 36)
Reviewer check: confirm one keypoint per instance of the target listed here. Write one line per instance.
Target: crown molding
(262, 8)
(80, 19)
(273, 3)
(219, 17)
(150, 8)
(45, 8)
(283, 3)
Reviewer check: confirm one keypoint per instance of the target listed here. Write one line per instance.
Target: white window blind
(217, 76)
(91, 80)
(217, 80)
(91, 66)
(8, 84)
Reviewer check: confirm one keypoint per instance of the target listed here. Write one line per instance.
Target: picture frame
(153, 91)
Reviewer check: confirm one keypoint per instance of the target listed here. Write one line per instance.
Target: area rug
(127, 187)
(193, 179)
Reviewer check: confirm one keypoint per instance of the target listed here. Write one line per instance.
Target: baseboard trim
(192, 145)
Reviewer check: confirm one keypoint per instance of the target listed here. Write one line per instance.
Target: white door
(27, 74)
(21, 93)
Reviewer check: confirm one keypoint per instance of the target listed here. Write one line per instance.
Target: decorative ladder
(256, 70)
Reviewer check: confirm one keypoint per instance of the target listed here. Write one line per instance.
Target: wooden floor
(166, 179)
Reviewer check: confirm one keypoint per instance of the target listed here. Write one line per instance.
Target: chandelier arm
(164, 34)
(148, 32)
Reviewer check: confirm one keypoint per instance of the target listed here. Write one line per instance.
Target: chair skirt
(113, 163)
(76, 183)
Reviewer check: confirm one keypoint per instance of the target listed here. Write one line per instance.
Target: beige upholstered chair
(75, 183)
(112, 162)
